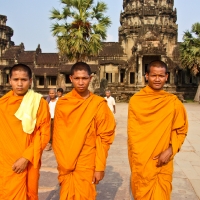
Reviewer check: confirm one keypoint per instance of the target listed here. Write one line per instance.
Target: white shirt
(52, 105)
(111, 102)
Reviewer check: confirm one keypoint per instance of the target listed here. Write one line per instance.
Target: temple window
(41, 80)
(132, 77)
(7, 78)
(168, 80)
(122, 75)
(52, 80)
(67, 79)
(109, 77)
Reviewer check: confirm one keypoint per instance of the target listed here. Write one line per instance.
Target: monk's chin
(157, 87)
(19, 93)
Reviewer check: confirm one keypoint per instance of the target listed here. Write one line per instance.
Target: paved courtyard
(115, 186)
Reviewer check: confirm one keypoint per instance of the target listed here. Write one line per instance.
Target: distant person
(83, 132)
(59, 92)
(157, 127)
(25, 128)
(110, 101)
(52, 105)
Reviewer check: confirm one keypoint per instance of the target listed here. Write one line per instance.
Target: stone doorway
(145, 61)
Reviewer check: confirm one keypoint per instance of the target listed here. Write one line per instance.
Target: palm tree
(80, 28)
(190, 49)
(190, 53)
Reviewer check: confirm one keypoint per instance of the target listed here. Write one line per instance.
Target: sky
(31, 24)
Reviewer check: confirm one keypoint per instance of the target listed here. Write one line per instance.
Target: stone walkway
(115, 186)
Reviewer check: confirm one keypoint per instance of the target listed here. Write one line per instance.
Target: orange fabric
(83, 133)
(14, 144)
(155, 120)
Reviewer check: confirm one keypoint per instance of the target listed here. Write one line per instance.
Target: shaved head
(21, 67)
(52, 90)
(156, 63)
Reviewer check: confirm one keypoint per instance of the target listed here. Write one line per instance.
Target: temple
(148, 31)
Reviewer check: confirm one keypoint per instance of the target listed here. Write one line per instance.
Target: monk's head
(81, 77)
(20, 79)
(52, 94)
(59, 92)
(107, 93)
(156, 74)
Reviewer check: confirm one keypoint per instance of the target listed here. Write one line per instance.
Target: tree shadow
(108, 187)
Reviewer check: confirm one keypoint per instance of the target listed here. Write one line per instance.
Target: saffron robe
(15, 143)
(83, 133)
(156, 119)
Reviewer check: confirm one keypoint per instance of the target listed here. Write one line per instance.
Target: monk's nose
(19, 83)
(80, 81)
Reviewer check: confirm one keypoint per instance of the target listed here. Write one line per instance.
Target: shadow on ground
(108, 188)
(52, 195)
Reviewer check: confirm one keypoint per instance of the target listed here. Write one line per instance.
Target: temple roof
(26, 57)
(114, 62)
(47, 58)
(48, 71)
(112, 49)
(12, 52)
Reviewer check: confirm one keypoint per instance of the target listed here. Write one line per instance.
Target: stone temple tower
(148, 32)
(5, 35)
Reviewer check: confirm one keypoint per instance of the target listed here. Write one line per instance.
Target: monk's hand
(98, 176)
(164, 157)
(20, 165)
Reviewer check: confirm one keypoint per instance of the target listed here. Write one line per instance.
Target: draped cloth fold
(83, 133)
(27, 111)
(156, 119)
(15, 143)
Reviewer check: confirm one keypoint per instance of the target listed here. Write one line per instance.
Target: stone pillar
(109, 77)
(1, 78)
(171, 81)
(45, 81)
(33, 85)
(119, 75)
(140, 70)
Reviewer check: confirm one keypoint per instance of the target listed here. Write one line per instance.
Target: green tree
(190, 49)
(80, 28)
(190, 53)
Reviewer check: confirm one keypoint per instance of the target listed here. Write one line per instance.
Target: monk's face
(157, 77)
(107, 94)
(59, 94)
(52, 94)
(80, 80)
(20, 82)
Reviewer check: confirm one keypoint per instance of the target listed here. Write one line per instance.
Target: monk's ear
(146, 76)
(10, 80)
(70, 77)
(31, 81)
(167, 75)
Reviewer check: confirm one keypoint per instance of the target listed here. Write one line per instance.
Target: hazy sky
(31, 24)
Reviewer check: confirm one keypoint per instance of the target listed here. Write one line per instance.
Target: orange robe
(83, 133)
(14, 144)
(156, 119)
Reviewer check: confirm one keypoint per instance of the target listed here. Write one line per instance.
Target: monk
(157, 127)
(83, 132)
(25, 131)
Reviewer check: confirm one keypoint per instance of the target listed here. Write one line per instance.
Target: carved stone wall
(148, 28)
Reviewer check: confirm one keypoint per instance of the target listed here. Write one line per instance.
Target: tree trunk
(197, 96)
